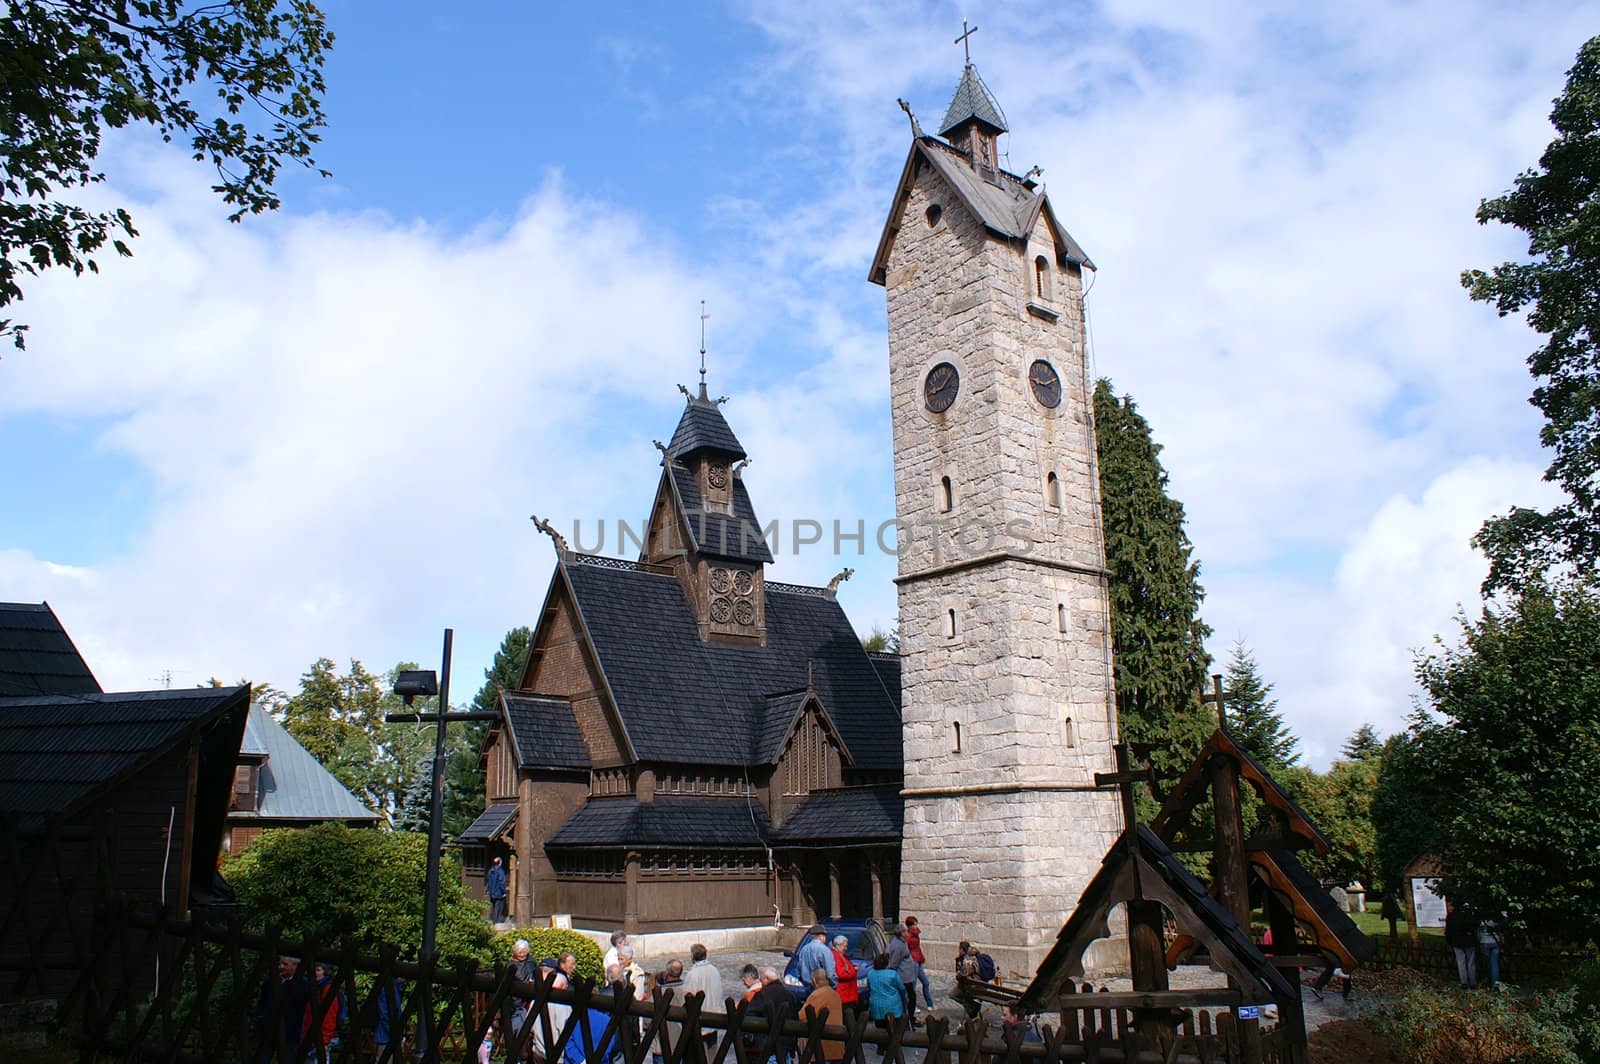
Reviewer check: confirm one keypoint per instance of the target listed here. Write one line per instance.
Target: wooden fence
(220, 1000)
(1523, 967)
(135, 982)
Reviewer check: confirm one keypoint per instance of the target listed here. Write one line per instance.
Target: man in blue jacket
(495, 881)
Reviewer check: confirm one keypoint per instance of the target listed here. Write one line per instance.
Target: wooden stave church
(690, 744)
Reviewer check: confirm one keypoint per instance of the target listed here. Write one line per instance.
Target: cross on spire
(966, 47)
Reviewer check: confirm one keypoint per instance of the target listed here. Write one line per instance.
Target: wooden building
(278, 784)
(123, 792)
(692, 744)
(100, 793)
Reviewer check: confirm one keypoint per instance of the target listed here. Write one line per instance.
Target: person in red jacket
(914, 943)
(323, 1004)
(849, 989)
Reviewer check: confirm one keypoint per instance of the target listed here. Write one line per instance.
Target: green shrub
(1438, 1026)
(552, 942)
(336, 880)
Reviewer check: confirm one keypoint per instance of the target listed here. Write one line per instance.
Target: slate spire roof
(973, 102)
(703, 428)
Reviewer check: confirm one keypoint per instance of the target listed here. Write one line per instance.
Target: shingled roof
(37, 656)
(293, 785)
(972, 103)
(490, 824)
(669, 822)
(848, 814)
(1313, 906)
(679, 696)
(1001, 202)
(59, 752)
(703, 428)
(716, 534)
(544, 733)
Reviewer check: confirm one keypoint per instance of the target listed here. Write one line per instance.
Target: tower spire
(704, 396)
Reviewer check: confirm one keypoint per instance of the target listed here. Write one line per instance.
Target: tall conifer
(1253, 717)
(1157, 636)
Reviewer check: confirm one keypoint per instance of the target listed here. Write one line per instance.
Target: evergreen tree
(463, 796)
(1253, 717)
(416, 805)
(1364, 744)
(1157, 636)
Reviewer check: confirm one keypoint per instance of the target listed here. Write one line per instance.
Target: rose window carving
(744, 582)
(721, 610)
(717, 475)
(744, 611)
(721, 581)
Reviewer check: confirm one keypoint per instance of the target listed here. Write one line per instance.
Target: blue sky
(322, 432)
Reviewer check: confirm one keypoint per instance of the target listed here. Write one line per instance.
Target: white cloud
(347, 417)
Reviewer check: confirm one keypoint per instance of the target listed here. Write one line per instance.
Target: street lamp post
(411, 684)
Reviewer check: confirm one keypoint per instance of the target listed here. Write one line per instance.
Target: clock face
(940, 389)
(1046, 384)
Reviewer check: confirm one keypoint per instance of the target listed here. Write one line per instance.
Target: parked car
(867, 939)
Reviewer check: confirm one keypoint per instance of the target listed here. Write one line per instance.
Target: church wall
(677, 891)
(1001, 834)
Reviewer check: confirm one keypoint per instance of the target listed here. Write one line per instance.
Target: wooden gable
(1293, 828)
(1139, 867)
(562, 663)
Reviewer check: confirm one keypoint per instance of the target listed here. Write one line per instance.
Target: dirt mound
(1351, 1042)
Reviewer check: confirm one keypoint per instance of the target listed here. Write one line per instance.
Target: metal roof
(293, 785)
(37, 656)
(973, 102)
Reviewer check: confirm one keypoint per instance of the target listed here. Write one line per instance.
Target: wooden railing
(219, 1000)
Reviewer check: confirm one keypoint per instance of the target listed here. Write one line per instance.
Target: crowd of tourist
(298, 1012)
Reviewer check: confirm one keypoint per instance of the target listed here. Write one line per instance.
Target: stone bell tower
(1004, 616)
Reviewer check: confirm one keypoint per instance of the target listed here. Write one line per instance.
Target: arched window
(951, 616)
(933, 214)
(947, 495)
(1041, 277)
(957, 749)
(1052, 490)
(1071, 733)
(1061, 616)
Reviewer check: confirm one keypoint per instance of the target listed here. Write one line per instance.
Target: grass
(1376, 927)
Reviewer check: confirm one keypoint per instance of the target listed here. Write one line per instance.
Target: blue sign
(1249, 1012)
